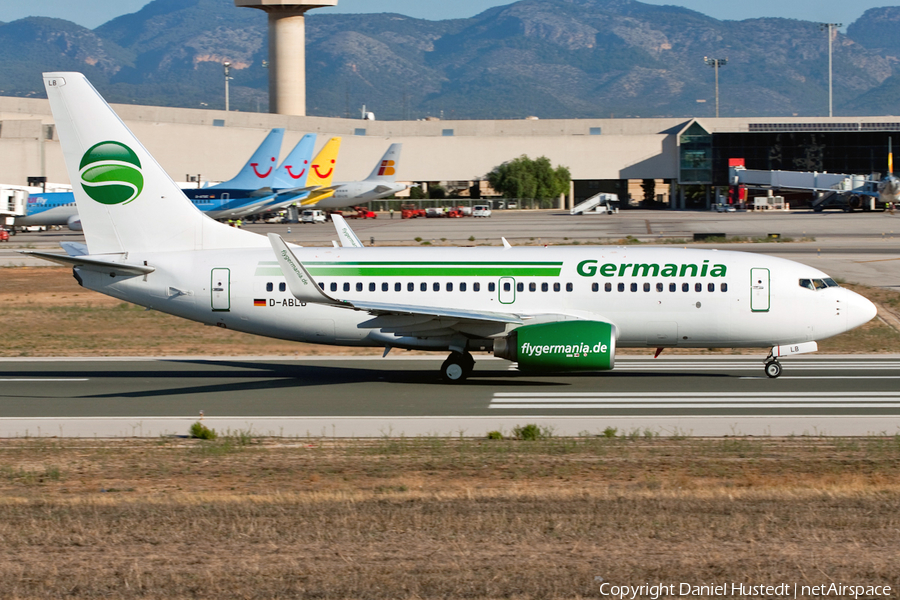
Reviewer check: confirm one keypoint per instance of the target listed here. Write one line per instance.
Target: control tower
(287, 51)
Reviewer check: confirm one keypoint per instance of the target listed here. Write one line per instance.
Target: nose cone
(859, 310)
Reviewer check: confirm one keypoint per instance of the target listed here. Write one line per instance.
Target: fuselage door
(759, 290)
(507, 290)
(220, 288)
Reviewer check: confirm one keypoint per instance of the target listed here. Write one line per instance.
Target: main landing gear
(457, 367)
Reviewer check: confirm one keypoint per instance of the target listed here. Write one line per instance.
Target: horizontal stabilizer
(74, 248)
(91, 263)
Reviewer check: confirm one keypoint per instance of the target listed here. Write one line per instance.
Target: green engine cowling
(561, 346)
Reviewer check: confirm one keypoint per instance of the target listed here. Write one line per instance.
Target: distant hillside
(548, 58)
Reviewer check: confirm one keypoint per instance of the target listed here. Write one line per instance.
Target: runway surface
(365, 397)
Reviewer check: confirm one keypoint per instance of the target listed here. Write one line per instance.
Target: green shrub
(530, 432)
(202, 432)
(494, 435)
(610, 432)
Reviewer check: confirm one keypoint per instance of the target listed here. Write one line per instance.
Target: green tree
(649, 188)
(526, 178)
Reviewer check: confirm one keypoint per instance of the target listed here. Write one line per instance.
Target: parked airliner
(546, 308)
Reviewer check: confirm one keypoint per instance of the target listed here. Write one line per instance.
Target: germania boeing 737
(548, 309)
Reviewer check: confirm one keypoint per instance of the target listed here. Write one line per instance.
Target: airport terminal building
(603, 155)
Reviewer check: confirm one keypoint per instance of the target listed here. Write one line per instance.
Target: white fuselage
(357, 192)
(244, 290)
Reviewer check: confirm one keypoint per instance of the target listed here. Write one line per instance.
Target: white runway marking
(16, 379)
(695, 400)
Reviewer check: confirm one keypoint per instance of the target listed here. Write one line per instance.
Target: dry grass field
(436, 518)
(45, 313)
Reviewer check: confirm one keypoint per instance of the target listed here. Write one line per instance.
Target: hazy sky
(91, 13)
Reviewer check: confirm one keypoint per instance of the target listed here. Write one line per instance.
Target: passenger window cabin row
(661, 287)
(507, 286)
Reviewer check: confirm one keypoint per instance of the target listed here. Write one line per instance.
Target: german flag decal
(259, 302)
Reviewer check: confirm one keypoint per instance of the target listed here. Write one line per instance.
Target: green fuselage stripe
(431, 263)
(445, 271)
(421, 269)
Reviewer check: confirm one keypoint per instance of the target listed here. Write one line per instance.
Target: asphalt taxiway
(372, 397)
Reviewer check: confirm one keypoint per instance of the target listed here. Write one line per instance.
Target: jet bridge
(831, 190)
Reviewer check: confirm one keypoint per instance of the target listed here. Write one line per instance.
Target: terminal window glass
(447, 132)
(359, 131)
(596, 130)
(695, 155)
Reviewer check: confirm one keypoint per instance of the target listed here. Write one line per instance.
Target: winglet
(298, 278)
(506, 244)
(345, 234)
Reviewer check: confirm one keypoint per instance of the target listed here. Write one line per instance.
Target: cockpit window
(818, 284)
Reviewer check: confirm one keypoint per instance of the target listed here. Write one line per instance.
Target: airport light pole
(227, 66)
(830, 27)
(715, 63)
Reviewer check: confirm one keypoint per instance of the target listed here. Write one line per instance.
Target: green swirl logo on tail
(111, 173)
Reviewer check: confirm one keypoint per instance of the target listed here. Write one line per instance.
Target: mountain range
(544, 58)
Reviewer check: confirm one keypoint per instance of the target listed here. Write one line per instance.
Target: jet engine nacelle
(561, 346)
(889, 189)
(74, 223)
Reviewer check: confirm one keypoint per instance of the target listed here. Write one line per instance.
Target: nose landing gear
(457, 367)
(773, 368)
